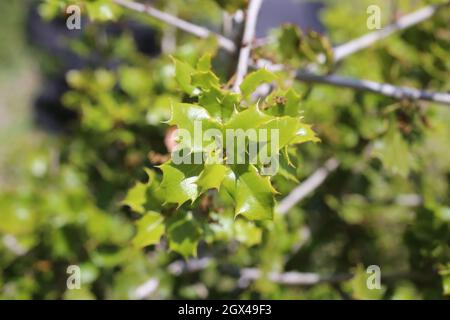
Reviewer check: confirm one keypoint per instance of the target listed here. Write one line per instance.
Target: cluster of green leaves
(52, 222)
(67, 211)
(385, 145)
(296, 48)
(216, 107)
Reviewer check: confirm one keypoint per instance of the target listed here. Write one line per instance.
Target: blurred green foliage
(93, 198)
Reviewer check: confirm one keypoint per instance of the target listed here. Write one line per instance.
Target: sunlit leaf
(150, 229)
(255, 79)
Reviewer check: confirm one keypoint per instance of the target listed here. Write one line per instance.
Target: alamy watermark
(374, 280)
(229, 146)
(374, 18)
(74, 279)
(73, 21)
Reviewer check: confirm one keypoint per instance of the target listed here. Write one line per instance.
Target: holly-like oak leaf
(150, 229)
(183, 233)
(179, 182)
(254, 194)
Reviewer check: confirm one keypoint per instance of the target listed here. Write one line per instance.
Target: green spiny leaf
(248, 119)
(150, 229)
(204, 63)
(255, 79)
(136, 197)
(179, 182)
(254, 194)
(212, 177)
(183, 233)
(205, 80)
(192, 117)
(247, 232)
(183, 73)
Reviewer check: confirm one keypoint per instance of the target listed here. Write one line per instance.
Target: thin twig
(247, 39)
(407, 21)
(344, 50)
(227, 44)
(146, 289)
(192, 265)
(291, 278)
(309, 185)
(385, 89)
(194, 29)
(294, 278)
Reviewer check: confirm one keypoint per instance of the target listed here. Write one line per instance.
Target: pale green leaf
(136, 197)
(255, 79)
(150, 229)
(254, 194)
(194, 120)
(205, 80)
(183, 74)
(247, 232)
(248, 119)
(212, 177)
(179, 182)
(204, 63)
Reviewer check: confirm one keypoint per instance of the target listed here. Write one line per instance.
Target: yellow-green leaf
(150, 229)
(255, 79)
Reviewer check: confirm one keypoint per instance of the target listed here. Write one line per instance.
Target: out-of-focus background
(19, 81)
(64, 170)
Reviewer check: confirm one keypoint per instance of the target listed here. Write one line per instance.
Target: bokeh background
(64, 170)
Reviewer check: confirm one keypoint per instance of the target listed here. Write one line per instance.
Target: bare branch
(181, 266)
(290, 278)
(247, 39)
(247, 275)
(309, 185)
(363, 85)
(294, 278)
(408, 200)
(385, 89)
(409, 20)
(194, 29)
(344, 50)
(250, 274)
(146, 289)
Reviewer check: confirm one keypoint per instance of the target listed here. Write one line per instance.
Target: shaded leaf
(183, 234)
